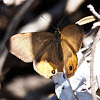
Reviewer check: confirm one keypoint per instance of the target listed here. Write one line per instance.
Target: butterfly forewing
(26, 45)
(73, 35)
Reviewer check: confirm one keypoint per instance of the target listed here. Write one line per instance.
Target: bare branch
(93, 52)
(93, 11)
(92, 64)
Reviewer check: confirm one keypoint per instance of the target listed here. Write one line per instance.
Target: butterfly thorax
(57, 31)
(57, 36)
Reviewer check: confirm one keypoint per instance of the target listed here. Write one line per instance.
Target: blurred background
(18, 80)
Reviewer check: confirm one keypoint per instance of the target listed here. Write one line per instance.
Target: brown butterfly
(50, 53)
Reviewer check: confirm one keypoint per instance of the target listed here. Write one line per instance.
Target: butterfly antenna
(49, 22)
(61, 20)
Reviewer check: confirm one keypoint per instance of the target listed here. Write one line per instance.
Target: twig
(91, 8)
(2, 60)
(92, 64)
(92, 53)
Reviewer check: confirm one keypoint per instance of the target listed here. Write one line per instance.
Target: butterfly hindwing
(51, 61)
(69, 59)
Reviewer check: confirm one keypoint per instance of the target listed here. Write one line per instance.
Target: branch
(92, 64)
(93, 52)
(91, 8)
(2, 60)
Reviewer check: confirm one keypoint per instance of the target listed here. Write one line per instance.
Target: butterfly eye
(70, 67)
(53, 71)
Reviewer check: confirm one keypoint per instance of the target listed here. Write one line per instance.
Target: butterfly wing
(69, 59)
(48, 56)
(39, 48)
(50, 62)
(73, 35)
(26, 45)
(71, 40)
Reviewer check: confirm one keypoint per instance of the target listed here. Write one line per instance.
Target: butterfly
(50, 53)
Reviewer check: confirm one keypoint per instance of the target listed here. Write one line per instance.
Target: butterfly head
(57, 31)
